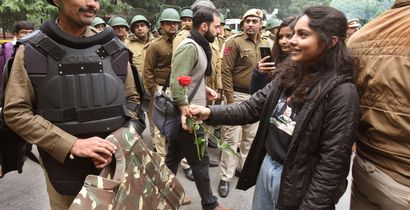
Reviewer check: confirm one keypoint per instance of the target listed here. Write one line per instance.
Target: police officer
(241, 54)
(227, 31)
(139, 37)
(99, 24)
(157, 65)
(120, 26)
(186, 25)
(51, 98)
(353, 25)
(186, 17)
(271, 28)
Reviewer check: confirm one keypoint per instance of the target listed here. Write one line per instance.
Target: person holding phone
(271, 60)
(309, 118)
(240, 56)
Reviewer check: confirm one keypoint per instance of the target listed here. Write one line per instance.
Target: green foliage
(33, 11)
(114, 7)
(39, 10)
(362, 9)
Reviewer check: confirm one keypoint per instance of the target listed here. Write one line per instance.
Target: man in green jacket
(193, 58)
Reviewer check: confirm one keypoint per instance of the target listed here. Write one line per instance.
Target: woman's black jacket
(318, 161)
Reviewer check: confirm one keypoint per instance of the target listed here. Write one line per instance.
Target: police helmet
(222, 19)
(118, 21)
(97, 21)
(186, 13)
(169, 14)
(137, 18)
(272, 23)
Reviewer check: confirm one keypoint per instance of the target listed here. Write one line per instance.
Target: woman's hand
(201, 112)
(265, 67)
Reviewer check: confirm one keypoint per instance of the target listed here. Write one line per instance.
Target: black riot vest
(79, 88)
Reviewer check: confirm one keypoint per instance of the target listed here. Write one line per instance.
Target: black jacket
(314, 173)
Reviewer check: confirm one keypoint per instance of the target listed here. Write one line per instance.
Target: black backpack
(13, 149)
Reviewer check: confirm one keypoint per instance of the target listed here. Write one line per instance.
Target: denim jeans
(266, 191)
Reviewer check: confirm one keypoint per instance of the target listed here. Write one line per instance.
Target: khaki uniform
(137, 48)
(181, 35)
(20, 96)
(157, 68)
(241, 55)
(270, 37)
(215, 80)
(227, 34)
(157, 65)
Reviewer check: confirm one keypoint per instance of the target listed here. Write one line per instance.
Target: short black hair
(22, 24)
(203, 15)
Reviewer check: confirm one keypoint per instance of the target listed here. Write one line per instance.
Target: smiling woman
(308, 117)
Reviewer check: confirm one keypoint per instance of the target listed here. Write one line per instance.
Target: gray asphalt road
(26, 191)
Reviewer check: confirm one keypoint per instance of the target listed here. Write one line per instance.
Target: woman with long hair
(265, 71)
(308, 116)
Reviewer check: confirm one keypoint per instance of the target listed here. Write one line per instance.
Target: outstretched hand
(201, 112)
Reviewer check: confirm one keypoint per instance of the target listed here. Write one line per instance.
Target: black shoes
(237, 173)
(223, 188)
(213, 163)
(188, 174)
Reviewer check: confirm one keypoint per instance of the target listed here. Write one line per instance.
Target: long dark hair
(297, 81)
(277, 54)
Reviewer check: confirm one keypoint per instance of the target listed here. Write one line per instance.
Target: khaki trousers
(57, 200)
(372, 189)
(237, 136)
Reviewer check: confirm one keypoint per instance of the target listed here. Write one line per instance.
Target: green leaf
(197, 126)
(188, 122)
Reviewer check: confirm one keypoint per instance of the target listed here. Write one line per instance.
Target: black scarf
(198, 38)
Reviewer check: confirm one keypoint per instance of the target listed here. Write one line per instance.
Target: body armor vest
(79, 88)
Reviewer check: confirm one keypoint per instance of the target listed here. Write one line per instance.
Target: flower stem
(222, 146)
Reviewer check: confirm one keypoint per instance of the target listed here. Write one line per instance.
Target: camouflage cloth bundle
(141, 180)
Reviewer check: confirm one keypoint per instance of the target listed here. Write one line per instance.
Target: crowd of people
(329, 86)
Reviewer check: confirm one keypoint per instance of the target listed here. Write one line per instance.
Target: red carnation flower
(184, 80)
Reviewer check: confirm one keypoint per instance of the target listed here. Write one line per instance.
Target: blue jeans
(267, 185)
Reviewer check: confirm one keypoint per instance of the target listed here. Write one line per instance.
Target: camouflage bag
(139, 180)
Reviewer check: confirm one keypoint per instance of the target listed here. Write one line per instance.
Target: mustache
(88, 9)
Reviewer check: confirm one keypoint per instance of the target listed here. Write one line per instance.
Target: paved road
(26, 191)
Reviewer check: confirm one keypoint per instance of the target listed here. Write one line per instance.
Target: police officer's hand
(211, 94)
(96, 148)
(101, 165)
(265, 67)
